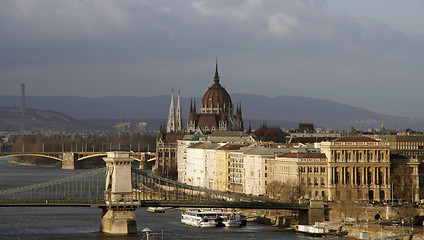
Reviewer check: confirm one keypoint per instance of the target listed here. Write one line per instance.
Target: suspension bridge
(119, 190)
(69, 159)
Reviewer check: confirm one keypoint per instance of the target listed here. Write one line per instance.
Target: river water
(83, 223)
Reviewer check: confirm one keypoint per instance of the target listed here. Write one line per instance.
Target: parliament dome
(216, 96)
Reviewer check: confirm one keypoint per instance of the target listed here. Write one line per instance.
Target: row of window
(167, 154)
(312, 181)
(312, 169)
(367, 155)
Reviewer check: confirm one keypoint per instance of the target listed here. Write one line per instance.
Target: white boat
(212, 218)
(311, 230)
(156, 209)
(199, 218)
(231, 219)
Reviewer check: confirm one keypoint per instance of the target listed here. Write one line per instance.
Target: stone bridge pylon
(119, 213)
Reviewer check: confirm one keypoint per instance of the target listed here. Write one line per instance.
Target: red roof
(263, 132)
(207, 120)
(215, 95)
(174, 137)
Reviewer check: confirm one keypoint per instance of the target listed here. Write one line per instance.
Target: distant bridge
(69, 159)
(120, 190)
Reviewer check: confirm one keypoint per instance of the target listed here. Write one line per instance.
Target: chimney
(23, 107)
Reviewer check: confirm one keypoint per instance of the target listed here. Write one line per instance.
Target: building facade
(306, 170)
(255, 167)
(198, 163)
(358, 168)
(166, 154)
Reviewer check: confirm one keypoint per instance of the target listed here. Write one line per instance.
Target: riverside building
(358, 168)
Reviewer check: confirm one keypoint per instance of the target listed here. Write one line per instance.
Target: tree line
(142, 143)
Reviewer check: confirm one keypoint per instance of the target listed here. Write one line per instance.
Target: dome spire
(216, 78)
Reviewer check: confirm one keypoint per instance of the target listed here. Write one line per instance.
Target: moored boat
(199, 218)
(230, 219)
(311, 230)
(156, 209)
(212, 218)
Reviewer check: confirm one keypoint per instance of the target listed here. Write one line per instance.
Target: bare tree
(284, 191)
(402, 182)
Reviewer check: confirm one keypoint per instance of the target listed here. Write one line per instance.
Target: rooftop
(355, 138)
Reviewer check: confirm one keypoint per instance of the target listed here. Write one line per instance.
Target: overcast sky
(365, 53)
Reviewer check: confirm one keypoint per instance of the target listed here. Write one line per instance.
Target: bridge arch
(92, 156)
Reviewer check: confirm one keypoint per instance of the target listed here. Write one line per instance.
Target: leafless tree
(284, 191)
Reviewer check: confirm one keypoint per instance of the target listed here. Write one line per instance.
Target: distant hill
(10, 119)
(283, 111)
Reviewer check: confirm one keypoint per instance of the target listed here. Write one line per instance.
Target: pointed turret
(216, 78)
(192, 117)
(239, 118)
(162, 131)
(191, 124)
(178, 116)
(191, 105)
(171, 116)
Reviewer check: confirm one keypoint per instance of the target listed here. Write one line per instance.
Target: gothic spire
(171, 117)
(216, 78)
(191, 105)
(178, 116)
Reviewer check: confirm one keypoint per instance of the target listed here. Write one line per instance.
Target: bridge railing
(88, 188)
(85, 187)
(146, 181)
(151, 189)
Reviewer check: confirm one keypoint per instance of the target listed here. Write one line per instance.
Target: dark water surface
(84, 223)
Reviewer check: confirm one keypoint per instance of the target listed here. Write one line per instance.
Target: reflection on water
(84, 223)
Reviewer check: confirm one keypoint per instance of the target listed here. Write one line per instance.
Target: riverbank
(375, 230)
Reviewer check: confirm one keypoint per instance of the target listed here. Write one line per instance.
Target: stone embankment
(374, 229)
(279, 218)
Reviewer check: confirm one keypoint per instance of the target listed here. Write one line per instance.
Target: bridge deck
(150, 203)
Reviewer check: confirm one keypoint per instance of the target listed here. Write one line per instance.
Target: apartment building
(309, 171)
(255, 167)
(199, 162)
(223, 163)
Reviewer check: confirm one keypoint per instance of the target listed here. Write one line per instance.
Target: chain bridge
(68, 159)
(119, 190)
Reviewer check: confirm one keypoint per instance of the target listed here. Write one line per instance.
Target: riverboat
(231, 219)
(212, 218)
(199, 218)
(311, 230)
(156, 209)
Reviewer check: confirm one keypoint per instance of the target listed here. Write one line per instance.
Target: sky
(364, 53)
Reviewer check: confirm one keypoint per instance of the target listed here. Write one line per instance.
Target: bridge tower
(315, 213)
(69, 159)
(119, 214)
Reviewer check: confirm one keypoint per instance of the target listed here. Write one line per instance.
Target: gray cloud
(145, 48)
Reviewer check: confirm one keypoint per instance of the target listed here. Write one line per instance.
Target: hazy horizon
(366, 54)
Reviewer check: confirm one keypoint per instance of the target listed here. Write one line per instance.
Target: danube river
(83, 223)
